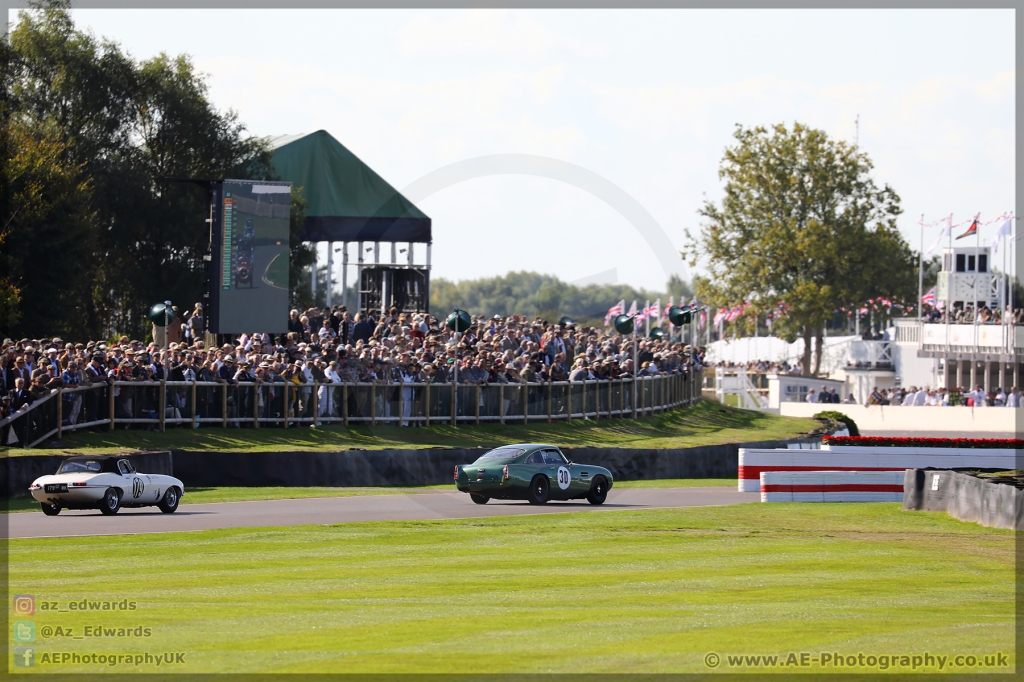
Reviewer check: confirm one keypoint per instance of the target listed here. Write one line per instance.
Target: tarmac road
(325, 510)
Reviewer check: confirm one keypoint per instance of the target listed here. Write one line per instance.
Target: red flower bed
(1015, 443)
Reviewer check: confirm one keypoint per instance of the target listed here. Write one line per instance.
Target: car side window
(125, 467)
(535, 458)
(553, 457)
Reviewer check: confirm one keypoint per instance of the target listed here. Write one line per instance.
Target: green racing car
(533, 472)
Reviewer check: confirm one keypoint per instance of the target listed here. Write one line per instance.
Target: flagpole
(977, 269)
(920, 274)
(949, 279)
(1010, 285)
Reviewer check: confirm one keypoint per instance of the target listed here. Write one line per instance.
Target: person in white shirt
(908, 400)
(920, 397)
(1013, 400)
(1000, 399)
(812, 397)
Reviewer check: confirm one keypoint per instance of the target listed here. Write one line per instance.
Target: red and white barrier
(832, 486)
(753, 461)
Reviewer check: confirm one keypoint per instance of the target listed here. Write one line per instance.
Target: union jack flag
(929, 297)
(614, 312)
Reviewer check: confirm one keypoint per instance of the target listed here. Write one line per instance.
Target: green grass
(605, 591)
(706, 423)
(226, 494)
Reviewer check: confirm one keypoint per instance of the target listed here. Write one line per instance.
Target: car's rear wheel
(538, 490)
(169, 504)
(111, 502)
(598, 491)
(479, 499)
(49, 509)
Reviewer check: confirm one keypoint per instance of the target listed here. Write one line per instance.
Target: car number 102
(563, 478)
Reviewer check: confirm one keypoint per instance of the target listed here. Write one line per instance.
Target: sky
(647, 99)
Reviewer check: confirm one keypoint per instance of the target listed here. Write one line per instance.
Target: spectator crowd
(328, 346)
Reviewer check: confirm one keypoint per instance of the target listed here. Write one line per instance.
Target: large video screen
(252, 283)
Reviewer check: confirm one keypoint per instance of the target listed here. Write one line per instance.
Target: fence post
(568, 401)
(224, 405)
(344, 402)
(111, 392)
(316, 404)
(195, 408)
(255, 405)
(455, 402)
(162, 404)
(526, 403)
(426, 403)
(284, 403)
(476, 399)
(401, 404)
(373, 404)
(549, 401)
(60, 411)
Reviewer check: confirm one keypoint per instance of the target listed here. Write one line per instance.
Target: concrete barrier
(879, 420)
(832, 486)
(964, 497)
(18, 472)
(396, 467)
(869, 458)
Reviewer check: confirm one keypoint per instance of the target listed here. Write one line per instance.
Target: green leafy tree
(534, 294)
(105, 133)
(802, 223)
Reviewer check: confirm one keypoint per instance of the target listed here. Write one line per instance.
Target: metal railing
(158, 404)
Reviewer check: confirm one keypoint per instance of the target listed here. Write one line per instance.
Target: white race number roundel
(563, 478)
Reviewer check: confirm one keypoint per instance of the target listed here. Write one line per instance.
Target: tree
(802, 223)
(101, 133)
(533, 294)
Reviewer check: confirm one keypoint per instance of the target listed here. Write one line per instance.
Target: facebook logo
(24, 656)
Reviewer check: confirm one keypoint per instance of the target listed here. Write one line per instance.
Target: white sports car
(106, 483)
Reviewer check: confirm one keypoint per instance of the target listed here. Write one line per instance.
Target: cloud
(475, 32)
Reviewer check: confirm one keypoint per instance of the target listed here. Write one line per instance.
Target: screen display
(252, 282)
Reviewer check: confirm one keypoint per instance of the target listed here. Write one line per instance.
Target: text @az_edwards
(845, 662)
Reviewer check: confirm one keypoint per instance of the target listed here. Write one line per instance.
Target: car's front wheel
(479, 499)
(111, 502)
(49, 509)
(169, 504)
(598, 491)
(538, 490)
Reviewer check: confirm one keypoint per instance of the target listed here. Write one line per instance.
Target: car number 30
(563, 478)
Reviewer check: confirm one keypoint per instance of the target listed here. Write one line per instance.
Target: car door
(558, 471)
(134, 485)
(533, 465)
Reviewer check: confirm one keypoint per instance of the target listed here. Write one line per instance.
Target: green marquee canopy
(347, 200)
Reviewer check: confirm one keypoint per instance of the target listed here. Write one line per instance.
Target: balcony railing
(156, 405)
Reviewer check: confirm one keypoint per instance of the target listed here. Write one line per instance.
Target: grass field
(227, 494)
(706, 423)
(611, 591)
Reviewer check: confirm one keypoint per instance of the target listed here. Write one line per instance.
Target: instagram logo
(24, 604)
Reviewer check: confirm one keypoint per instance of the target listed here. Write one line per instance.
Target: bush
(1015, 443)
(841, 418)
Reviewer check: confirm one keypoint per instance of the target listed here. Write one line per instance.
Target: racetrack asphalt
(329, 510)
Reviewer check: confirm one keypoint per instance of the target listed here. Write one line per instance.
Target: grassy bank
(614, 592)
(704, 424)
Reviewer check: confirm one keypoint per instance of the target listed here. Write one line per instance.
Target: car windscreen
(88, 466)
(500, 456)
